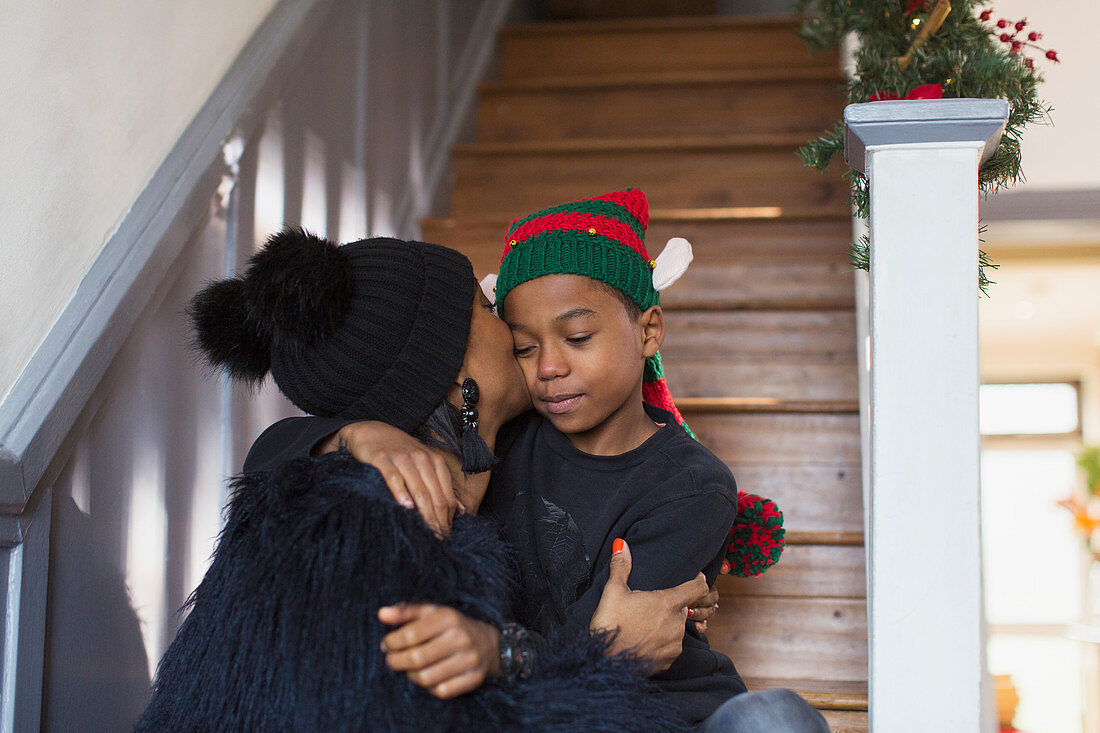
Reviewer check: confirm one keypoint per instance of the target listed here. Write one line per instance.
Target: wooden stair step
(787, 233)
(573, 10)
(740, 262)
(825, 537)
(844, 703)
(810, 638)
(847, 721)
(666, 44)
(782, 335)
(726, 233)
(812, 496)
(762, 404)
(761, 283)
(822, 694)
(821, 503)
(807, 379)
(513, 179)
(664, 105)
(789, 354)
(806, 570)
(779, 439)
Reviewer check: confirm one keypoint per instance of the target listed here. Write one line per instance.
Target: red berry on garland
(1002, 23)
(1021, 24)
(1053, 56)
(1033, 36)
(1016, 46)
(1029, 63)
(986, 14)
(756, 540)
(1006, 38)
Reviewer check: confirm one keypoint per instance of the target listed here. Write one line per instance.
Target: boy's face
(581, 353)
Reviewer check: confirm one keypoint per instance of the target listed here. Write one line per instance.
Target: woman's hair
(442, 429)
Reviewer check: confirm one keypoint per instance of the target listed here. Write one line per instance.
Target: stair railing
(923, 534)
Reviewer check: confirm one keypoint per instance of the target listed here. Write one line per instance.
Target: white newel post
(923, 530)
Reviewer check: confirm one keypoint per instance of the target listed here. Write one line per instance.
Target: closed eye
(522, 351)
(577, 340)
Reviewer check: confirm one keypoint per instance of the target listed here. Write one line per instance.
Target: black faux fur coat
(283, 635)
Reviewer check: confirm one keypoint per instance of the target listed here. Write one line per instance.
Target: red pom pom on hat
(756, 539)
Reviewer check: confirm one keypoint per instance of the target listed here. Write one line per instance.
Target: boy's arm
(671, 544)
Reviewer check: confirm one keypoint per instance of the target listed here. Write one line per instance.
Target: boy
(599, 465)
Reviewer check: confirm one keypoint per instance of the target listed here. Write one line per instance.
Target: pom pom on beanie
(225, 332)
(295, 290)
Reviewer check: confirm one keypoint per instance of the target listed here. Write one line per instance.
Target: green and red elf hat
(602, 238)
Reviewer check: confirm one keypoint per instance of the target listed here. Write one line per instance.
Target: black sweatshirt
(670, 498)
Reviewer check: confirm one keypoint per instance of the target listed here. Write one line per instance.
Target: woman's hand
(440, 649)
(703, 609)
(416, 475)
(649, 624)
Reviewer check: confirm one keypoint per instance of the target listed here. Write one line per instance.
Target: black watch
(517, 653)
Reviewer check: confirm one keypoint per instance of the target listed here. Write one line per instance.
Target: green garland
(967, 57)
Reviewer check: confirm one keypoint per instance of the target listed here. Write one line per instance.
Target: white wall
(1053, 157)
(95, 95)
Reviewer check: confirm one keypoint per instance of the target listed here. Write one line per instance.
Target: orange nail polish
(691, 613)
(725, 568)
(617, 546)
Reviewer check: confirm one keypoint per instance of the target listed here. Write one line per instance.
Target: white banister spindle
(922, 519)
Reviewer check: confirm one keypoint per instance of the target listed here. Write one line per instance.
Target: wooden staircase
(704, 115)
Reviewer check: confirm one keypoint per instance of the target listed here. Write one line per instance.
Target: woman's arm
(292, 437)
(450, 654)
(440, 649)
(416, 476)
(671, 544)
(650, 624)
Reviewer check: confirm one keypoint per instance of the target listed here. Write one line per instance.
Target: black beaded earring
(476, 456)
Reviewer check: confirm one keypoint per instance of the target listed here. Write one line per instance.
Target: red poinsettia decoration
(924, 91)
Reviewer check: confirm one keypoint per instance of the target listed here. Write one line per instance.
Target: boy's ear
(652, 323)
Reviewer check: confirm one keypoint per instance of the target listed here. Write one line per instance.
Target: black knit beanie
(372, 330)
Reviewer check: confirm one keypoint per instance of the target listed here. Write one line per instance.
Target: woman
(284, 631)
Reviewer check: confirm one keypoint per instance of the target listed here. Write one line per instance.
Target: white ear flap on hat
(671, 263)
(487, 284)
